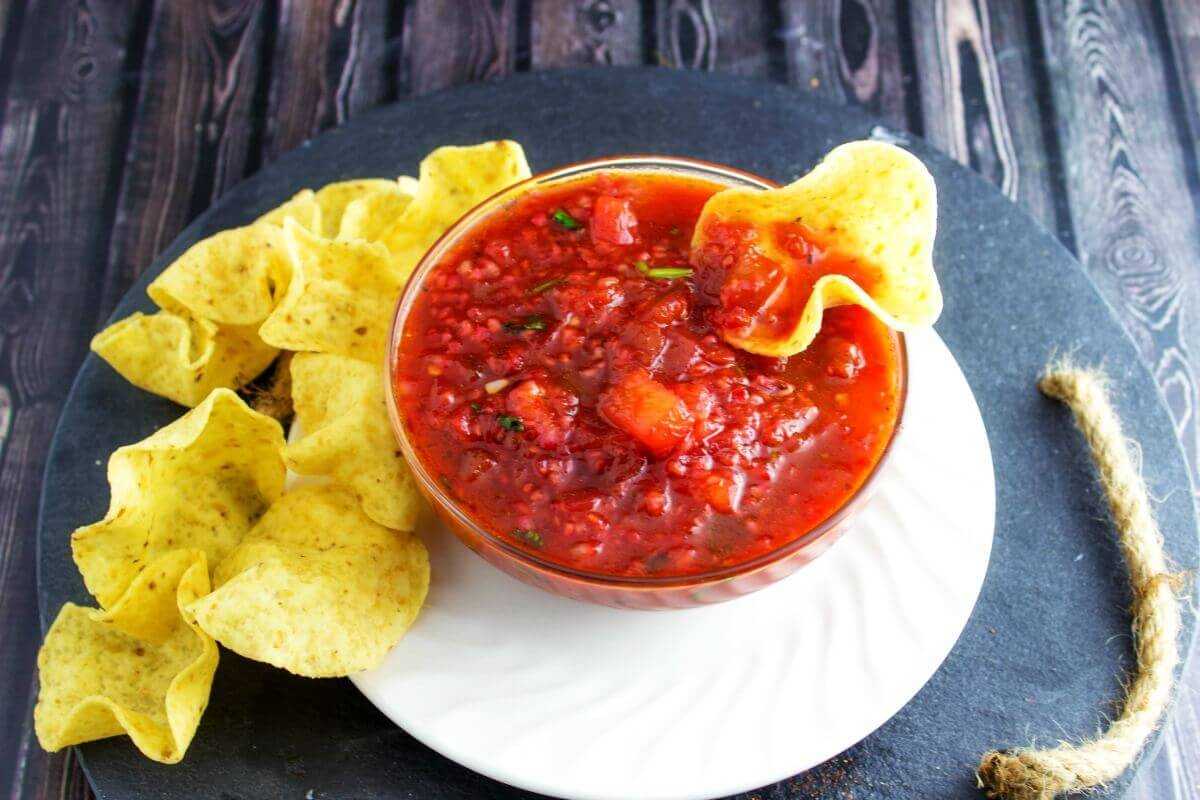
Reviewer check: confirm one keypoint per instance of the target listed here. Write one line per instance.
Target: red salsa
(562, 377)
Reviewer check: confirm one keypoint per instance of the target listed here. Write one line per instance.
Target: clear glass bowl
(621, 591)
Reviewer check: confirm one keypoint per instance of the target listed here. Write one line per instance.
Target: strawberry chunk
(648, 411)
(613, 221)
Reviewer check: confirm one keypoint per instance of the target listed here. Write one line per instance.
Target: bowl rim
(644, 162)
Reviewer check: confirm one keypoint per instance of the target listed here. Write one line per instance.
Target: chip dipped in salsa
(562, 377)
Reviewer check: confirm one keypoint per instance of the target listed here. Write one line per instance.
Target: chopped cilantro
(510, 423)
(476, 407)
(528, 536)
(534, 323)
(565, 219)
(662, 273)
(550, 284)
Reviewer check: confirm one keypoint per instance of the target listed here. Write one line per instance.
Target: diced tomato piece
(613, 221)
(648, 411)
(545, 408)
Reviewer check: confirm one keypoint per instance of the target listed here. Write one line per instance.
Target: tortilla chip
(143, 669)
(341, 412)
(228, 277)
(868, 202)
(372, 214)
(303, 208)
(335, 198)
(199, 483)
(181, 357)
(340, 299)
(317, 588)
(453, 180)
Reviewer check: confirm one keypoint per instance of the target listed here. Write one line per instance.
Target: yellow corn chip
(868, 203)
(180, 357)
(340, 299)
(227, 278)
(453, 180)
(199, 483)
(317, 588)
(347, 436)
(303, 208)
(142, 669)
(335, 198)
(372, 214)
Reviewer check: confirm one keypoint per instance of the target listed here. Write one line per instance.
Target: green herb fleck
(510, 423)
(534, 323)
(476, 407)
(550, 284)
(663, 273)
(566, 220)
(674, 230)
(528, 536)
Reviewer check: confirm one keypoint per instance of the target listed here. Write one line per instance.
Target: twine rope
(1033, 774)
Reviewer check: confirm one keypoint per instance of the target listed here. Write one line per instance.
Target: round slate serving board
(1048, 644)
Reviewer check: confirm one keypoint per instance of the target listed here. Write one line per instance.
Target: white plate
(596, 703)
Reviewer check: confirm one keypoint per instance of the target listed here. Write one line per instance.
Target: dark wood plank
(62, 130)
(585, 32)
(191, 130)
(732, 35)
(849, 51)
(980, 108)
(1131, 210)
(329, 62)
(446, 44)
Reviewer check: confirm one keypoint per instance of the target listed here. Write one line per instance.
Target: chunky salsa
(561, 375)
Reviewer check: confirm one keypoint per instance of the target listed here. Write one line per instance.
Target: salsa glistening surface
(561, 376)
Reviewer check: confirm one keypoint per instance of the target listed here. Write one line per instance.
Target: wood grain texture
(64, 104)
(585, 32)
(329, 62)
(981, 108)
(848, 51)
(732, 35)
(1131, 210)
(446, 44)
(191, 130)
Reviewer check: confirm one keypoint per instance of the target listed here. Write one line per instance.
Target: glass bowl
(620, 591)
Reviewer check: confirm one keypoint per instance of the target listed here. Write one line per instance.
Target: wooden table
(124, 119)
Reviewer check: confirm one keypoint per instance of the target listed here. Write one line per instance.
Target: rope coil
(1031, 774)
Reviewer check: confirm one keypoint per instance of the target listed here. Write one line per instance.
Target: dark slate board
(1047, 647)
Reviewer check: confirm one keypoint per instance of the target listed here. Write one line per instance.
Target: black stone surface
(1048, 645)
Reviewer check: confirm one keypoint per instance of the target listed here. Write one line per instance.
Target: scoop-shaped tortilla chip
(453, 180)
(317, 588)
(303, 208)
(142, 669)
(373, 213)
(227, 278)
(199, 483)
(181, 357)
(335, 198)
(858, 229)
(340, 298)
(341, 412)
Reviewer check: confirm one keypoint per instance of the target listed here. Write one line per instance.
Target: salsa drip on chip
(856, 230)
